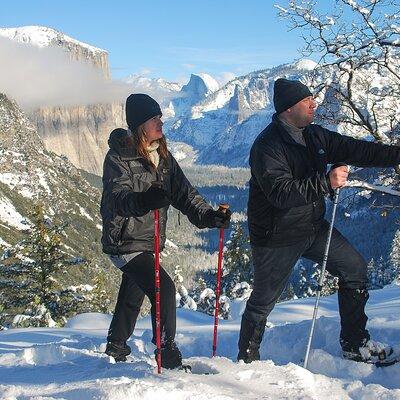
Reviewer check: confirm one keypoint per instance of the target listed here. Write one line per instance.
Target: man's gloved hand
(218, 219)
(154, 198)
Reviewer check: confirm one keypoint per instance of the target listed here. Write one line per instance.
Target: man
(286, 208)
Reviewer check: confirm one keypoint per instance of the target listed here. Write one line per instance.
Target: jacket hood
(120, 143)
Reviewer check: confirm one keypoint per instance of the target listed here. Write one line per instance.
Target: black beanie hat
(287, 93)
(139, 108)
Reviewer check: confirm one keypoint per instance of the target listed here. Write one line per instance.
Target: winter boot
(369, 351)
(171, 357)
(118, 350)
(251, 334)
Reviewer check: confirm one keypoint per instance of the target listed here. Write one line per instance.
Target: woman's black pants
(138, 280)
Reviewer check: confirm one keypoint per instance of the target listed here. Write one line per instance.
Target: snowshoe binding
(372, 352)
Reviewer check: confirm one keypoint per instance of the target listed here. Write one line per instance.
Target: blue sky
(169, 39)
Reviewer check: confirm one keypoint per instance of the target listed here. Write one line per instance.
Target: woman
(141, 175)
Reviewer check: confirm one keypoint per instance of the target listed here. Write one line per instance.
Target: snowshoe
(118, 350)
(372, 352)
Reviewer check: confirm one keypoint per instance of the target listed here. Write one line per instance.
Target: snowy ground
(68, 364)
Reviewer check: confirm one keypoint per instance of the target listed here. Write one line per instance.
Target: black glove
(218, 219)
(154, 198)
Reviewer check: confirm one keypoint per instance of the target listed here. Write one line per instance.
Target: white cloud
(144, 71)
(188, 66)
(37, 77)
(47, 76)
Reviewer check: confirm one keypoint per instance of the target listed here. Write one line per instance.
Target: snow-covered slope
(68, 363)
(30, 174)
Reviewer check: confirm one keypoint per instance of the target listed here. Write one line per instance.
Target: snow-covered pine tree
(395, 257)
(373, 276)
(198, 287)
(182, 296)
(206, 303)
(237, 263)
(29, 274)
(305, 286)
(241, 291)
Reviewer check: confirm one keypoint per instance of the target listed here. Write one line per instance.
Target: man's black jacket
(288, 181)
(127, 226)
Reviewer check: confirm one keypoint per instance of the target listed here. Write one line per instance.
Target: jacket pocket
(123, 230)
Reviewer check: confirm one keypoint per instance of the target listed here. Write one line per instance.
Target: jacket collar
(124, 148)
(120, 143)
(284, 133)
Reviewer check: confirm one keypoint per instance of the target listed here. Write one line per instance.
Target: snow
(27, 184)
(69, 363)
(211, 84)
(305, 64)
(42, 37)
(171, 244)
(84, 213)
(11, 216)
(18, 181)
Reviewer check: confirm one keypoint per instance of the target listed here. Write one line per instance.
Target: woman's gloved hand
(218, 218)
(154, 198)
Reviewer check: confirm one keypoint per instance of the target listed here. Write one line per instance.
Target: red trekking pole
(157, 286)
(223, 208)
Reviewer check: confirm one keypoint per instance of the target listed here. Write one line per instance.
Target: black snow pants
(138, 280)
(273, 266)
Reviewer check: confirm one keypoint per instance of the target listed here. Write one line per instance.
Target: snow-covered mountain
(199, 87)
(223, 126)
(153, 84)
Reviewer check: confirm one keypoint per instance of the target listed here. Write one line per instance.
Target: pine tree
(237, 260)
(373, 281)
(100, 300)
(29, 274)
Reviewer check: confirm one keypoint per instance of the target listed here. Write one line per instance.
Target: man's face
(302, 113)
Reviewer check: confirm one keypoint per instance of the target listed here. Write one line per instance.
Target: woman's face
(153, 129)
